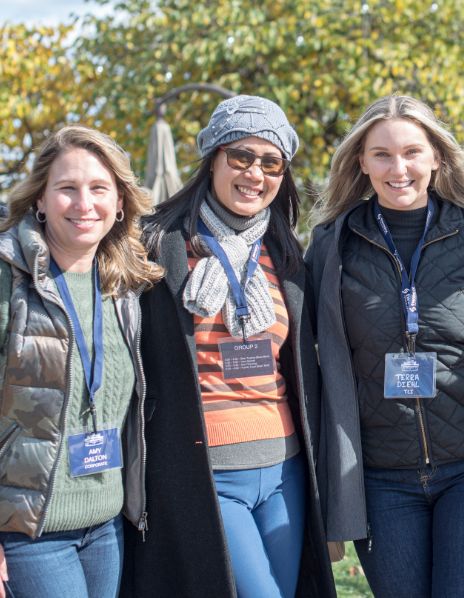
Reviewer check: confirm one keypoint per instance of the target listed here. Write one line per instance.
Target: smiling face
(247, 192)
(399, 160)
(80, 203)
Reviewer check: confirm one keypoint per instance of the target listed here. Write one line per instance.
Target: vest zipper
(451, 234)
(418, 408)
(420, 417)
(142, 524)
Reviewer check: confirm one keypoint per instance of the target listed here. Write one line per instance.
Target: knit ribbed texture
(245, 116)
(93, 499)
(235, 221)
(257, 422)
(406, 227)
(208, 290)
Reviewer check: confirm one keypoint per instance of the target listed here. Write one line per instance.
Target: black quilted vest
(405, 433)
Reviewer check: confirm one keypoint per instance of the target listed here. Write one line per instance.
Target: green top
(96, 498)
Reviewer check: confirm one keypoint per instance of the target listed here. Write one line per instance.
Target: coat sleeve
(315, 258)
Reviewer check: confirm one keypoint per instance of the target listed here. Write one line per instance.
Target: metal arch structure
(160, 103)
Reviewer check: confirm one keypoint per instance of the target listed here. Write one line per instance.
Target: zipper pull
(143, 524)
(369, 538)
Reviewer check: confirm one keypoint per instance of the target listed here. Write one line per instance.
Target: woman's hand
(3, 572)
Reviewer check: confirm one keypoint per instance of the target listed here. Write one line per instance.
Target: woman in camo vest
(71, 270)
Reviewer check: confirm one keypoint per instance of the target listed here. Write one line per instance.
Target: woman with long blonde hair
(386, 273)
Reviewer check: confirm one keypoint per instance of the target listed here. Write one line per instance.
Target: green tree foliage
(41, 88)
(323, 61)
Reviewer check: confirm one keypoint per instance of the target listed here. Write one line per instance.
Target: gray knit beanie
(248, 116)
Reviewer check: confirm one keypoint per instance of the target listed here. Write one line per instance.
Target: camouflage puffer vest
(34, 372)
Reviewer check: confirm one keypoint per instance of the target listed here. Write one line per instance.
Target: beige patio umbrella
(162, 176)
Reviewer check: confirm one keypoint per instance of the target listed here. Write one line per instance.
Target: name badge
(245, 359)
(410, 376)
(94, 452)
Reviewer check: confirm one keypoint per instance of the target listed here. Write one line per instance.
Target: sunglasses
(241, 159)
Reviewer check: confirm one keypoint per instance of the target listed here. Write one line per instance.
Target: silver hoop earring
(40, 217)
(120, 216)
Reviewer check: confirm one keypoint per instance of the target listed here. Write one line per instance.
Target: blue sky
(45, 11)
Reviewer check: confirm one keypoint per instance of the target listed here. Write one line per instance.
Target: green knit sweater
(93, 499)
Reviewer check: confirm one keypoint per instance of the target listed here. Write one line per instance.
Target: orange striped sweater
(246, 409)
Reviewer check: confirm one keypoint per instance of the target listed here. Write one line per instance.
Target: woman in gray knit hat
(232, 383)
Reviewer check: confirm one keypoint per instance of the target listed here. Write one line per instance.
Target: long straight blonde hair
(347, 183)
(122, 259)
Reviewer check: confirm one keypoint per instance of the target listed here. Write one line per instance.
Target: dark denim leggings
(416, 521)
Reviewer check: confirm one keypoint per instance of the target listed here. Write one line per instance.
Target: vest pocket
(9, 431)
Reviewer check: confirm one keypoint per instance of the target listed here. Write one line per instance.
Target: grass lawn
(349, 576)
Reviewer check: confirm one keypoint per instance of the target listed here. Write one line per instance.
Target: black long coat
(185, 554)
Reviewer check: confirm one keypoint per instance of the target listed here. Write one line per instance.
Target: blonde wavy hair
(347, 183)
(122, 259)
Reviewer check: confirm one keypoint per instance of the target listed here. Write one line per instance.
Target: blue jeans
(84, 563)
(416, 519)
(263, 511)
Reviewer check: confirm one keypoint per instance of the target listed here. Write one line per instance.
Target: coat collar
(447, 219)
(24, 247)
(173, 257)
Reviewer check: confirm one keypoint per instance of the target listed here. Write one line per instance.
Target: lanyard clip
(411, 342)
(93, 413)
(243, 320)
(243, 317)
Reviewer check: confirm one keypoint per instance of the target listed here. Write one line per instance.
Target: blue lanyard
(93, 369)
(238, 290)
(408, 287)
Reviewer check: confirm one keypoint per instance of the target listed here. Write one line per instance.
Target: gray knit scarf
(208, 289)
